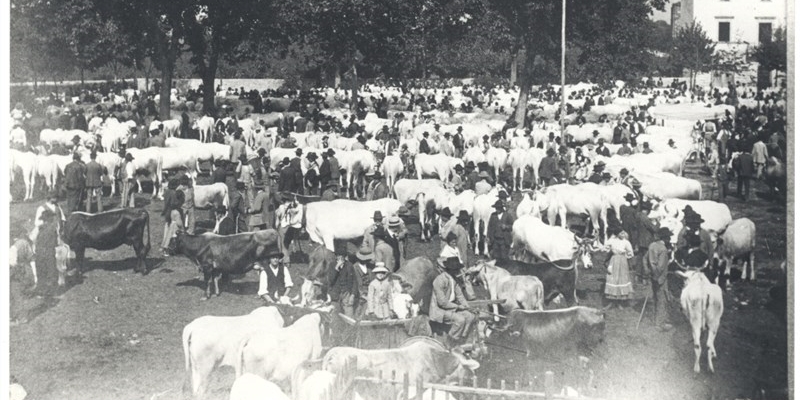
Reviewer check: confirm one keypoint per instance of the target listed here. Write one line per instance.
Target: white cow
(518, 160)
(406, 190)
(63, 137)
(24, 163)
(48, 170)
(585, 199)
(438, 164)
(435, 199)
(213, 195)
(317, 386)
(344, 219)
(275, 353)
(496, 157)
(392, 168)
(355, 163)
(177, 158)
(548, 243)
(474, 154)
(529, 205)
(149, 160)
(482, 209)
(666, 185)
(738, 240)
(701, 302)
(716, 216)
(213, 341)
(172, 127)
(205, 126)
(254, 387)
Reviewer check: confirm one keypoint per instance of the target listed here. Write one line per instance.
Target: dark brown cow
(109, 230)
(544, 331)
(231, 254)
(420, 273)
(558, 277)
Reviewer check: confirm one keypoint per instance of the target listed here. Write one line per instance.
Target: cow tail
(422, 211)
(187, 359)
(239, 367)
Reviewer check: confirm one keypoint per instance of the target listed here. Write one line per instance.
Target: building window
(724, 32)
(764, 32)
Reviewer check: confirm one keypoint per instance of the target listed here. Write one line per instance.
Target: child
(379, 296)
(401, 300)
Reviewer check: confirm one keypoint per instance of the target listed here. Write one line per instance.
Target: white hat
(380, 267)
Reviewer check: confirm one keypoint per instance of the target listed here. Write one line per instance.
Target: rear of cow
(702, 304)
(107, 231)
(738, 240)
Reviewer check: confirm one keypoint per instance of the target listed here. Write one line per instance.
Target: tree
(213, 29)
(772, 55)
(693, 50)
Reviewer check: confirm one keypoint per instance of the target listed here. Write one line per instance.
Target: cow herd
(269, 345)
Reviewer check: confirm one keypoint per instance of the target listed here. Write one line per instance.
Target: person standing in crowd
(396, 230)
(274, 279)
(185, 186)
(94, 183)
(601, 149)
(238, 207)
(286, 183)
(379, 294)
(386, 249)
(237, 147)
(173, 219)
(564, 168)
(50, 205)
(499, 232)
(446, 223)
(297, 170)
(377, 188)
(457, 182)
(548, 168)
(646, 148)
(290, 222)
(625, 150)
(311, 180)
(424, 147)
(220, 173)
(224, 224)
(349, 283)
(128, 178)
(760, 156)
(247, 175)
(261, 216)
(75, 182)
(743, 165)
(693, 225)
(619, 287)
(80, 121)
(472, 176)
(157, 138)
(597, 173)
(48, 237)
(721, 174)
(368, 242)
(640, 228)
(655, 263)
(325, 170)
(449, 305)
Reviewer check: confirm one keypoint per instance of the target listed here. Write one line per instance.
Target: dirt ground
(117, 335)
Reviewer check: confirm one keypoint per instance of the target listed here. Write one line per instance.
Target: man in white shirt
(274, 280)
(128, 179)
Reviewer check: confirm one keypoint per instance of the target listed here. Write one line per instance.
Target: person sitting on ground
(379, 296)
(448, 304)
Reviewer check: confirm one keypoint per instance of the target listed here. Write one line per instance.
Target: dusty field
(117, 334)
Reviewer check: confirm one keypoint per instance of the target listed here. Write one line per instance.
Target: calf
(231, 254)
(738, 240)
(212, 341)
(253, 387)
(557, 277)
(109, 230)
(701, 302)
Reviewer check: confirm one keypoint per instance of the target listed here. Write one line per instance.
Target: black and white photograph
(398, 199)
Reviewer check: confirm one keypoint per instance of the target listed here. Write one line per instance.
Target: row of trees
(331, 39)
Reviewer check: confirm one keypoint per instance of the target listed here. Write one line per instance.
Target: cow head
(465, 367)
(586, 246)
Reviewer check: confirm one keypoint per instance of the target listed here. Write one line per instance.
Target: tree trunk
(515, 54)
(523, 77)
(209, 94)
(166, 86)
(354, 94)
(82, 76)
(337, 77)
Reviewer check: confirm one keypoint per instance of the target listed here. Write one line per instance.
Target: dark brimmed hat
(606, 175)
(664, 233)
(299, 152)
(331, 152)
(460, 128)
(630, 197)
(459, 167)
(285, 160)
(499, 204)
(311, 156)
(470, 165)
(364, 255)
(693, 218)
(274, 254)
(623, 171)
(76, 138)
(463, 215)
(450, 236)
(502, 195)
(377, 215)
(446, 212)
(128, 156)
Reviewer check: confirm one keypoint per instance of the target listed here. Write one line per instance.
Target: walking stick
(641, 314)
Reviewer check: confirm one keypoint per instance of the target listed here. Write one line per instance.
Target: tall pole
(563, 69)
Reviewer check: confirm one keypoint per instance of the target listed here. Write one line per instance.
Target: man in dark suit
(75, 182)
(499, 232)
(745, 170)
(225, 224)
(238, 207)
(94, 184)
(641, 230)
(424, 147)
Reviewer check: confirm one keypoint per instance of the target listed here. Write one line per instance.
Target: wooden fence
(344, 385)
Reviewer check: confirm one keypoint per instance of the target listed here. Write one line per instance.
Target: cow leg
(216, 283)
(713, 326)
(207, 279)
(79, 256)
(697, 326)
(139, 185)
(752, 266)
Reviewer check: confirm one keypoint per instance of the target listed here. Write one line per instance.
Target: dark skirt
(46, 271)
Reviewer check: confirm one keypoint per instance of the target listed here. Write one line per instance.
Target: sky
(663, 15)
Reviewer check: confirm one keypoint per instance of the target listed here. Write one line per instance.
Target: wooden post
(420, 389)
(406, 384)
(503, 387)
(549, 385)
(516, 386)
(474, 384)
(489, 383)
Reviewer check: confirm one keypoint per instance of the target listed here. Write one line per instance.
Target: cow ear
(492, 263)
(682, 274)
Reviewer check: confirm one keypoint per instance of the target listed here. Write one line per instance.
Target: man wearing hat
(483, 186)
(127, 175)
(448, 304)
(446, 223)
(424, 147)
(224, 224)
(238, 207)
(50, 206)
(499, 232)
(75, 182)
(745, 171)
(396, 229)
(655, 263)
(311, 179)
(349, 283)
(625, 150)
(286, 178)
(156, 138)
(602, 149)
(692, 226)
(94, 183)
(446, 146)
(457, 182)
(330, 192)
(335, 168)
(597, 174)
(472, 176)
(369, 241)
(377, 188)
(289, 219)
(386, 249)
(274, 279)
(646, 148)
(261, 214)
(458, 142)
(548, 168)
(641, 231)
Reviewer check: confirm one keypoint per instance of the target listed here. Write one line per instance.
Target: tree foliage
(693, 50)
(772, 55)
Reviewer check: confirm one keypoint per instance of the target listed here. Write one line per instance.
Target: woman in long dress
(619, 288)
(46, 242)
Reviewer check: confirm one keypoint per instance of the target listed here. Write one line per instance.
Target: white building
(732, 24)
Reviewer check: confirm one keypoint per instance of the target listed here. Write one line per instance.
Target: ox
(232, 254)
(716, 216)
(205, 125)
(579, 326)
(406, 190)
(275, 353)
(341, 219)
(212, 341)
(701, 302)
(439, 165)
(25, 163)
(391, 168)
(253, 387)
(109, 230)
(584, 199)
(521, 291)
(738, 239)
(214, 195)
